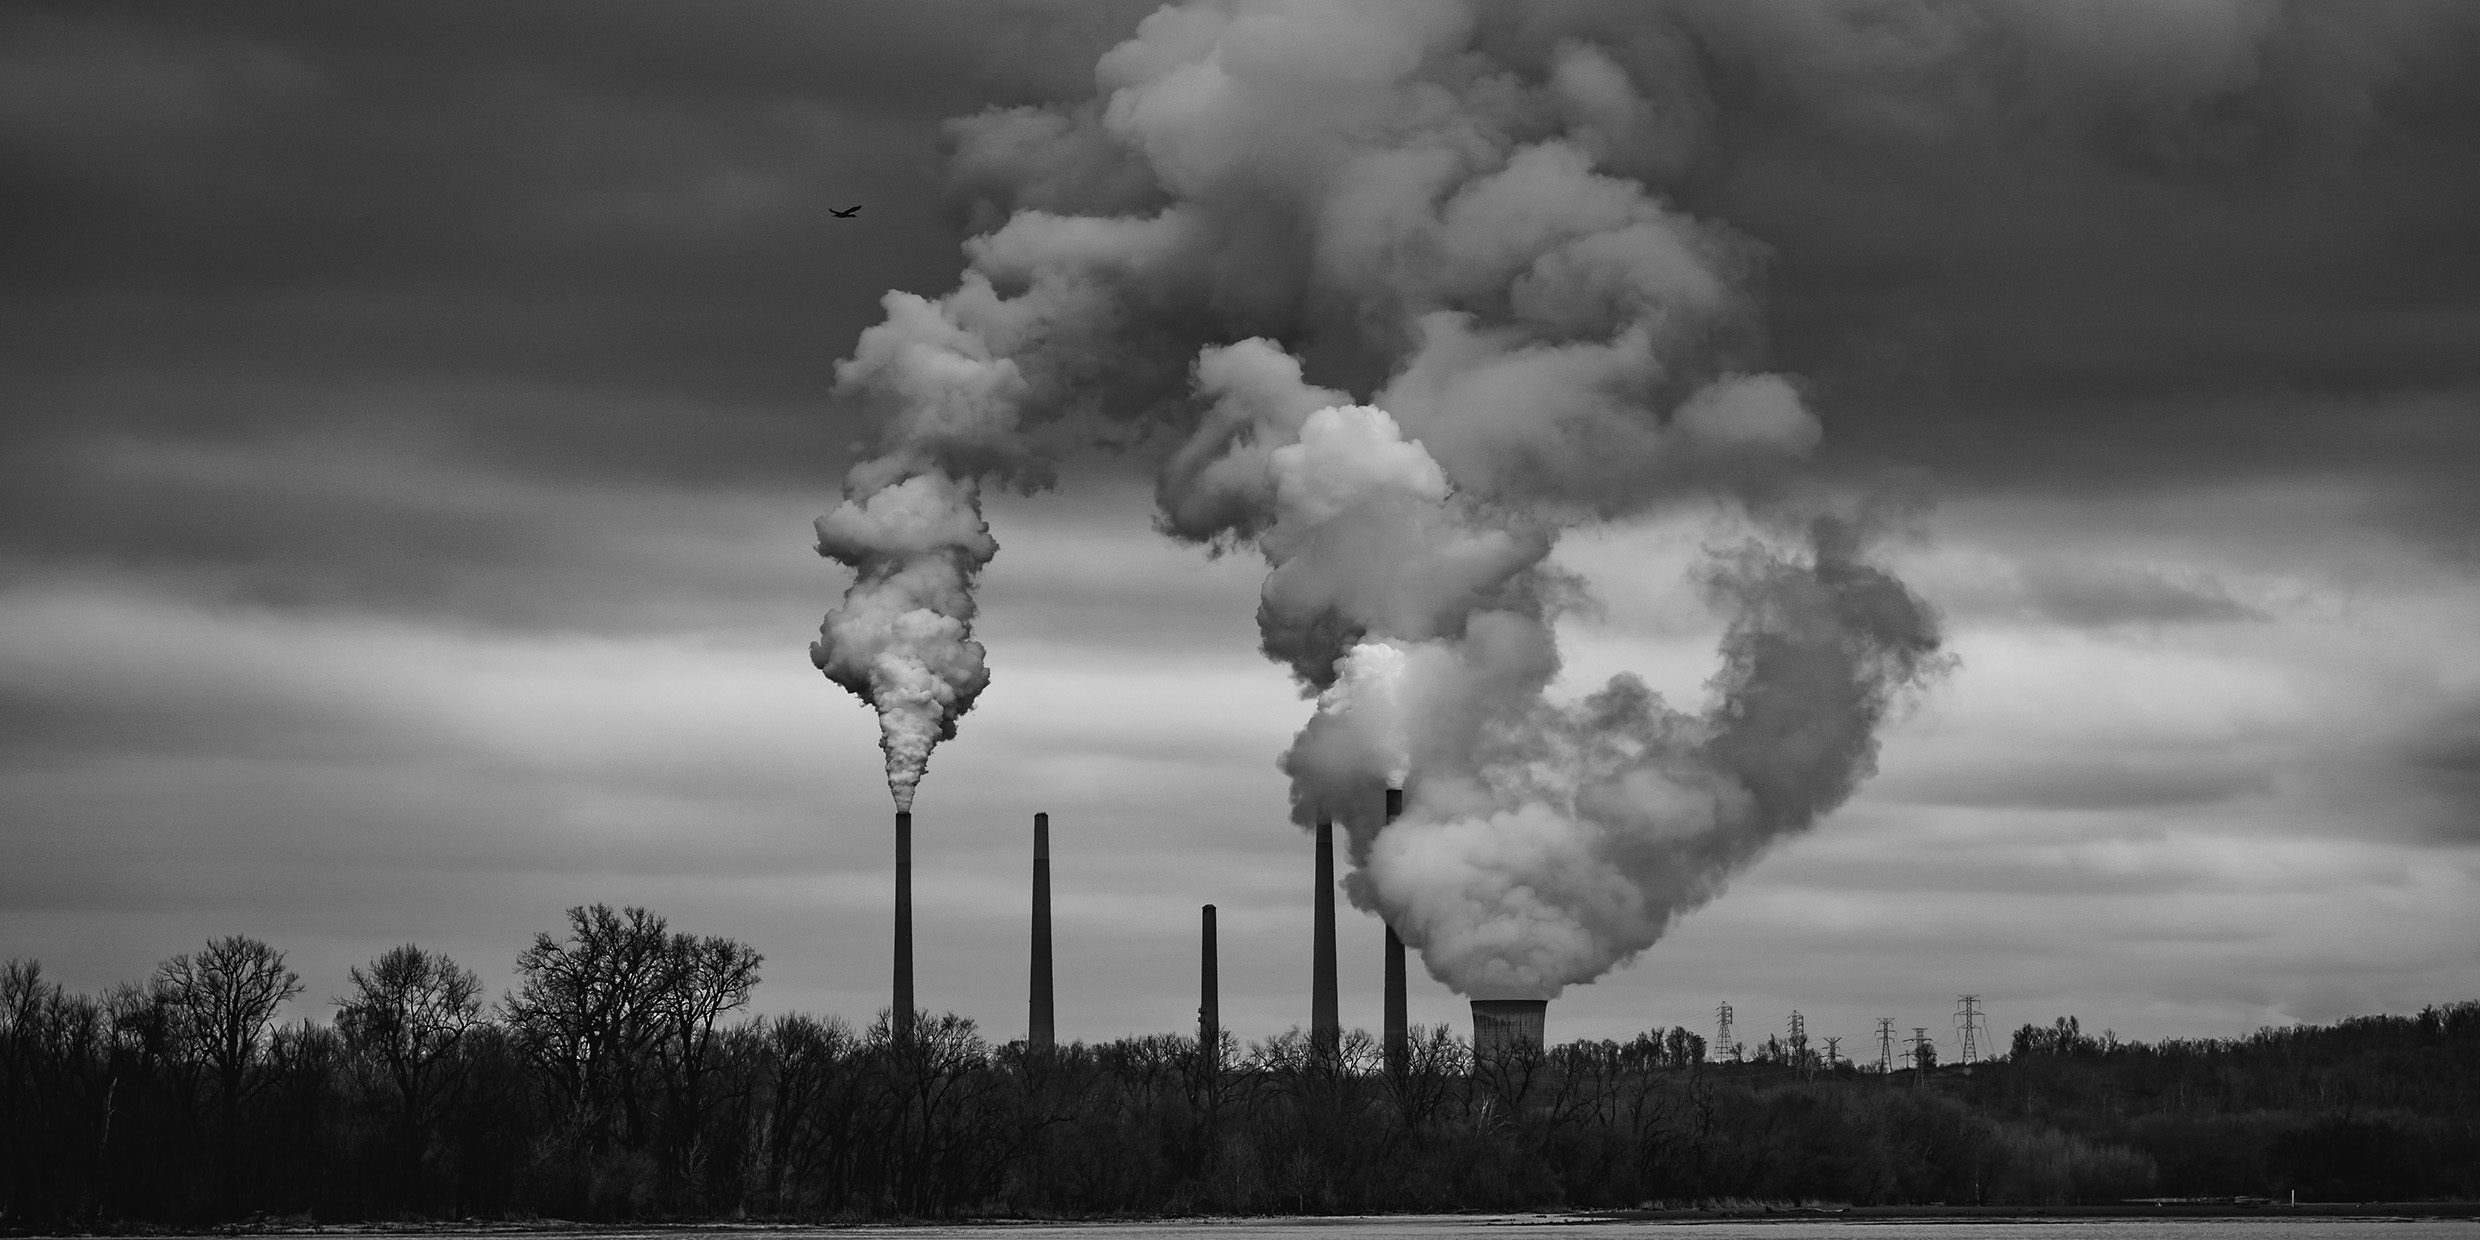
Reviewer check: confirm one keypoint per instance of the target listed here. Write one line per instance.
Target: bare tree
(224, 1000)
(622, 1015)
(705, 978)
(1684, 1050)
(1436, 1062)
(814, 1117)
(49, 1043)
(407, 1014)
(934, 1131)
(223, 1004)
(588, 1011)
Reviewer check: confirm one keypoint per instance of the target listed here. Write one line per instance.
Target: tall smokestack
(1325, 1022)
(901, 1016)
(1209, 993)
(1040, 1028)
(1398, 1021)
(1503, 1025)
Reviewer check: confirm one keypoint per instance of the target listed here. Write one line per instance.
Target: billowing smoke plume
(1512, 337)
(911, 529)
(1546, 843)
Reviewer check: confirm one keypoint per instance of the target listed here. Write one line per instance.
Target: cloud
(390, 529)
(516, 222)
(2090, 595)
(2021, 244)
(2440, 751)
(2100, 783)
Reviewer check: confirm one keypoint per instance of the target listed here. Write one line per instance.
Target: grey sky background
(411, 417)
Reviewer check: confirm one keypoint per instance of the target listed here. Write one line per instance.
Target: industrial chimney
(1325, 1021)
(900, 1016)
(1398, 1024)
(1503, 1025)
(1040, 1028)
(1209, 994)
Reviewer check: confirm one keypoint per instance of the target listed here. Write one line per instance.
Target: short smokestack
(1325, 1021)
(1209, 992)
(1040, 1028)
(1504, 1025)
(1398, 1019)
(901, 1014)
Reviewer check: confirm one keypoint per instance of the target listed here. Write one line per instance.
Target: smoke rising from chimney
(903, 638)
(1513, 338)
(1544, 843)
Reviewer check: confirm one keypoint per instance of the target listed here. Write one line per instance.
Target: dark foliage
(608, 1086)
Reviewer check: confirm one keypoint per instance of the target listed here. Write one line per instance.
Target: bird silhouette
(845, 214)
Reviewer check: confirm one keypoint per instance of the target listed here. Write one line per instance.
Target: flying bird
(845, 214)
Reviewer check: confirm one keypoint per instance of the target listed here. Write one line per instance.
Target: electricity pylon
(1969, 1024)
(1885, 1045)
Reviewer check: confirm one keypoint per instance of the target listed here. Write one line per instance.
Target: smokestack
(1209, 993)
(1398, 1022)
(901, 1016)
(1040, 1027)
(1503, 1025)
(1325, 1023)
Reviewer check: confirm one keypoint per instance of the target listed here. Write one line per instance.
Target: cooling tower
(1325, 1022)
(1502, 1025)
(1209, 991)
(1040, 1027)
(900, 1013)
(1398, 1025)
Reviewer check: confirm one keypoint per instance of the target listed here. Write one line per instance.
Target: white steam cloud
(1516, 337)
(1545, 843)
(911, 529)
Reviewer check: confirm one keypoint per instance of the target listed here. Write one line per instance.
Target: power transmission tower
(1885, 1045)
(1924, 1051)
(1969, 1024)
(1834, 1053)
(1797, 1036)
(1723, 1045)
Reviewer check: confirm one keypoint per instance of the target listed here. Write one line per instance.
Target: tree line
(615, 1082)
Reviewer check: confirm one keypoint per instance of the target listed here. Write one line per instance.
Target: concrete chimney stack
(1503, 1025)
(900, 1016)
(1041, 1027)
(1398, 1021)
(1325, 1020)
(1209, 992)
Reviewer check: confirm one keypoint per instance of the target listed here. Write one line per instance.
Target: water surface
(1569, 1227)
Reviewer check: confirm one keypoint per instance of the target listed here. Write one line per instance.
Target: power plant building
(1503, 1025)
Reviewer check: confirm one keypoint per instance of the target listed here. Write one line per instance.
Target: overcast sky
(411, 419)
